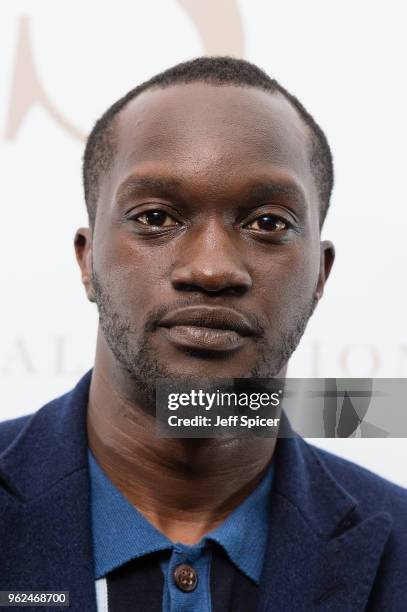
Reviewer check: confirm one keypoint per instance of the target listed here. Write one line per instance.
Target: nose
(210, 262)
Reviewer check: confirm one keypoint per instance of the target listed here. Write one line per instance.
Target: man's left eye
(269, 223)
(156, 218)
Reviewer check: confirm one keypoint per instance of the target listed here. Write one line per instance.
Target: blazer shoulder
(10, 429)
(373, 492)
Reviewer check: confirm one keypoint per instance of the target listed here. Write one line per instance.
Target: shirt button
(185, 577)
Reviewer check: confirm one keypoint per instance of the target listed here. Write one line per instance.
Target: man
(206, 188)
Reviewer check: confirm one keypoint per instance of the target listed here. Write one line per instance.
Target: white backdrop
(62, 63)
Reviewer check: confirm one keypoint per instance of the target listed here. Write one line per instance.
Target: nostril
(239, 290)
(180, 286)
(236, 290)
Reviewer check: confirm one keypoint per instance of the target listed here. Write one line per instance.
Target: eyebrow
(266, 190)
(165, 187)
(255, 191)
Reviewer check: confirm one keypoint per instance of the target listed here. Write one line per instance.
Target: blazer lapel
(320, 555)
(45, 520)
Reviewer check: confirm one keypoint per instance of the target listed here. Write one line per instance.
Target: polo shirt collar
(243, 533)
(121, 532)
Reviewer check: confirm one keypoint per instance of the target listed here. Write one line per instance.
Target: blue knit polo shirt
(121, 533)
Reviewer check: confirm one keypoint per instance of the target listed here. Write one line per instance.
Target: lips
(207, 328)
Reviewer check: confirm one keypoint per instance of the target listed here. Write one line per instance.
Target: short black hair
(100, 145)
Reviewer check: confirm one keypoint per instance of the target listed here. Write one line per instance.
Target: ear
(83, 250)
(325, 266)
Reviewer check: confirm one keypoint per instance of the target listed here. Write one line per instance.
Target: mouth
(207, 328)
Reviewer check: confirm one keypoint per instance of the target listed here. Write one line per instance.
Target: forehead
(213, 134)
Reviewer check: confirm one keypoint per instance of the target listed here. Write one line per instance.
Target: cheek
(134, 275)
(286, 284)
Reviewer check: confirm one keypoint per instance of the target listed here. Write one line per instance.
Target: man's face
(207, 260)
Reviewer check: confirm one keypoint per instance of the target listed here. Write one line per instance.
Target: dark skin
(210, 202)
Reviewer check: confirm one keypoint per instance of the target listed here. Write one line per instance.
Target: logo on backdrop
(219, 26)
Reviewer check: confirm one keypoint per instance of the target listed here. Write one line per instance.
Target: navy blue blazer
(338, 534)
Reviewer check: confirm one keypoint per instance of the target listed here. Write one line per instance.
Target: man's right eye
(156, 218)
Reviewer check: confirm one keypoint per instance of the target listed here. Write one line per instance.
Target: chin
(209, 367)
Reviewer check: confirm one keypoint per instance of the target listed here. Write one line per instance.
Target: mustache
(156, 314)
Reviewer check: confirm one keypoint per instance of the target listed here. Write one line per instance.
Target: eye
(268, 223)
(156, 218)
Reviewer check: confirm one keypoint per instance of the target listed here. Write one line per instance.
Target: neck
(184, 487)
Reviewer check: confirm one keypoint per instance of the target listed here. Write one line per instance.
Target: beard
(142, 363)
